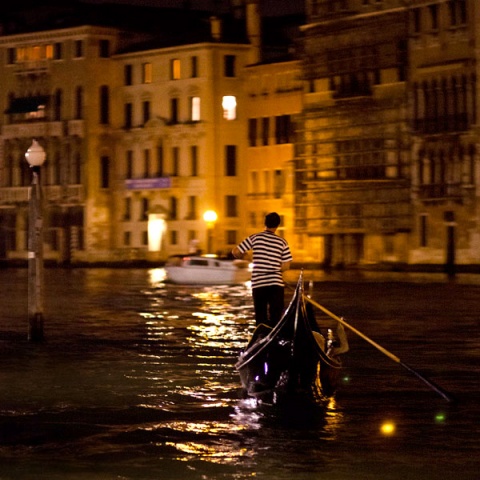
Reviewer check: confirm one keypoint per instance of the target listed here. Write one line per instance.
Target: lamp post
(210, 217)
(35, 157)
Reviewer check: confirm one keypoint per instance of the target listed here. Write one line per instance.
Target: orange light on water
(388, 428)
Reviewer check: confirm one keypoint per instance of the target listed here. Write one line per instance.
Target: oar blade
(447, 396)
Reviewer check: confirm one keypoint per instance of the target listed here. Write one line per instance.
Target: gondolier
(288, 362)
(271, 257)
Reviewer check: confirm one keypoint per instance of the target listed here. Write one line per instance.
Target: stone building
(143, 129)
(363, 137)
(443, 112)
(52, 92)
(387, 163)
(274, 98)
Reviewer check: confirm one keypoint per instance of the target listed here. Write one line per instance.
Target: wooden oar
(390, 355)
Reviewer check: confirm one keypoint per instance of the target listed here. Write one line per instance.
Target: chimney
(254, 29)
(216, 28)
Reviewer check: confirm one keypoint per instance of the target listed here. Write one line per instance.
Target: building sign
(148, 183)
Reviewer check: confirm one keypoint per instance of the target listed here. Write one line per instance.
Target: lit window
(49, 51)
(21, 54)
(175, 69)
(38, 113)
(147, 73)
(195, 109)
(229, 105)
(35, 53)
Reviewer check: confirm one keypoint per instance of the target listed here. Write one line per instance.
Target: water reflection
(157, 276)
(137, 380)
(211, 326)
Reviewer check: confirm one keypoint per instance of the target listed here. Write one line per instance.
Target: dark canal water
(136, 380)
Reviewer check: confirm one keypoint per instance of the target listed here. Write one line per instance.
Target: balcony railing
(52, 194)
(32, 130)
(13, 195)
(440, 191)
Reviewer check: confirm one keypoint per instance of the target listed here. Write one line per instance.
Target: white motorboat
(207, 270)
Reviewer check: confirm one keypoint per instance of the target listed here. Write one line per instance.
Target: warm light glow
(175, 69)
(229, 105)
(157, 275)
(156, 228)
(35, 155)
(210, 216)
(195, 108)
(388, 428)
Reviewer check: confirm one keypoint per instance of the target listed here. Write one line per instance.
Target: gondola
(292, 360)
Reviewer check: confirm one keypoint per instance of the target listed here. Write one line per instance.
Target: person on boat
(271, 257)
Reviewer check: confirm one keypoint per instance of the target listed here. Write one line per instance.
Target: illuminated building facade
(366, 143)
(387, 162)
(274, 99)
(141, 139)
(179, 148)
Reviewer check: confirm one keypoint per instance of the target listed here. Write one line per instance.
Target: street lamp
(35, 157)
(210, 217)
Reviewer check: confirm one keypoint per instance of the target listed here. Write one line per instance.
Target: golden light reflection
(207, 296)
(216, 451)
(151, 325)
(334, 419)
(388, 428)
(217, 330)
(157, 275)
(196, 427)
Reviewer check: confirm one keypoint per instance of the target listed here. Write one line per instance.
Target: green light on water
(440, 417)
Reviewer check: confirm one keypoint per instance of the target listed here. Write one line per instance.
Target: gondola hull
(288, 362)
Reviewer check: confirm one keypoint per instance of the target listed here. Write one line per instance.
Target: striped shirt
(269, 252)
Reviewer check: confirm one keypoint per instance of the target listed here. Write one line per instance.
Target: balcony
(56, 194)
(13, 195)
(32, 129)
(34, 67)
(71, 194)
(441, 191)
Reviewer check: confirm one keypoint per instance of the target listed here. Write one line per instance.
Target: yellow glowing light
(229, 105)
(157, 275)
(156, 229)
(388, 428)
(210, 216)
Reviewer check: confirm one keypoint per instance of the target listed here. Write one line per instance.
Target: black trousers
(268, 303)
